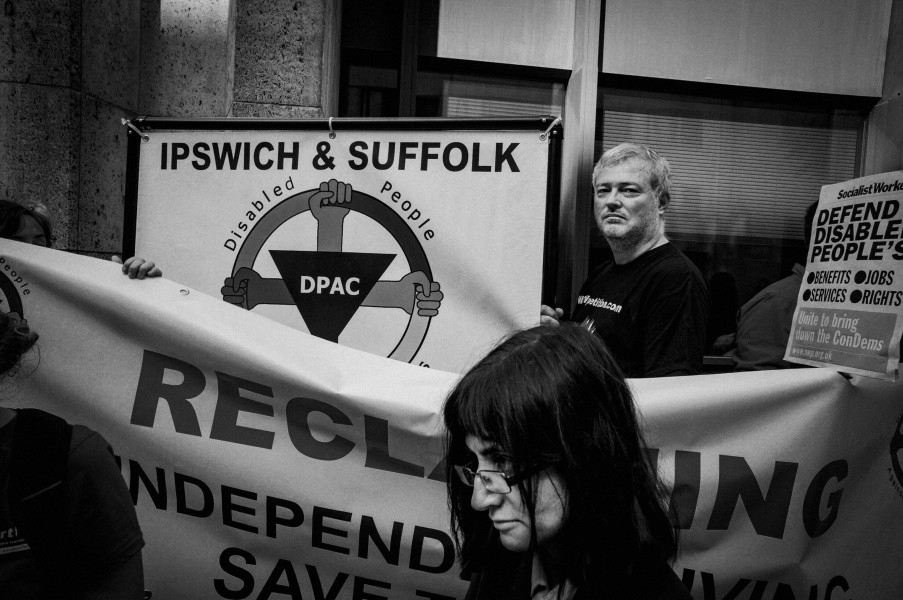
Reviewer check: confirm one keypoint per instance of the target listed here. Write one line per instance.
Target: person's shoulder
(783, 290)
(647, 578)
(604, 265)
(85, 437)
(599, 271)
(87, 448)
(502, 574)
(666, 254)
(656, 580)
(676, 255)
(789, 285)
(761, 299)
(671, 266)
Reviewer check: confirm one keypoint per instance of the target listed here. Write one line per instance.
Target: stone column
(68, 76)
(187, 58)
(72, 69)
(286, 58)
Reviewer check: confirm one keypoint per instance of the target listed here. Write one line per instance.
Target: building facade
(755, 103)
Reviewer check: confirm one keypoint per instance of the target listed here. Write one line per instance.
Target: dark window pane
(373, 25)
(371, 58)
(461, 95)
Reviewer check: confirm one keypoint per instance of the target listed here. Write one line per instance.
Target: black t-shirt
(650, 312)
(508, 577)
(100, 517)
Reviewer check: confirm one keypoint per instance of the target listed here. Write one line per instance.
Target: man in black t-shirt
(649, 303)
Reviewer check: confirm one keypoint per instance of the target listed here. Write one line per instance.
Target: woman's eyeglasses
(496, 482)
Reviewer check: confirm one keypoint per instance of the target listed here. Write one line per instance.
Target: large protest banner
(267, 463)
(849, 314)
(420, 240)
(256, 452)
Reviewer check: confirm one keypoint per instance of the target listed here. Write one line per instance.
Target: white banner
(422, 246)
(849, 313)
(269, 464)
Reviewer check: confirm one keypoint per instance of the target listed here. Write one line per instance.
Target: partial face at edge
(30, 232)
(508, 512)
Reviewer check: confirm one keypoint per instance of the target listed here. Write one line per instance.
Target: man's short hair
(658, 168)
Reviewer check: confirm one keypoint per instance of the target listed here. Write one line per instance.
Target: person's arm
(412, 292)
(107, 557)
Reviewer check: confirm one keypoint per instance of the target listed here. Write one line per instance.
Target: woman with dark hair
(550, 490)
(30, 224)
(69, 525)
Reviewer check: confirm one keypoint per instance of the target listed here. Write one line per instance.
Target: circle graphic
(13, 303)
(363, 204)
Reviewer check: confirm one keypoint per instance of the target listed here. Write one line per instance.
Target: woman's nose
(482, 498)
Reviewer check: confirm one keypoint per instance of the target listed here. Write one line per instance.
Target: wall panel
(826, 46)
(521, 32)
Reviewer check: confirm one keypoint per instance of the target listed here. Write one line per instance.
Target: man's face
(627, 211)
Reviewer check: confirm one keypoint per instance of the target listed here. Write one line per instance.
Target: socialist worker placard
(849, 312)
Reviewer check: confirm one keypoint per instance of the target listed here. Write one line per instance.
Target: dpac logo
(341, 285)
(10, 284)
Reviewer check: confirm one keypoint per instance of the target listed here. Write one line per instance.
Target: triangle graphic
(329, 287)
